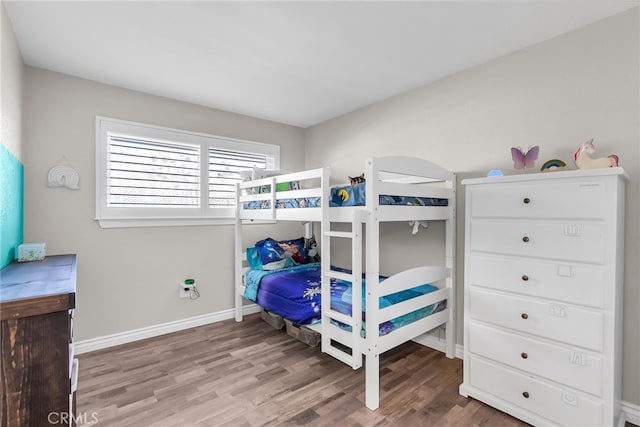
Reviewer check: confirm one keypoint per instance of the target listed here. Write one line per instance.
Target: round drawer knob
(525, 239)
(526, 200)
(525, 394)
(525, 277)
(525, 316)
(524, 355)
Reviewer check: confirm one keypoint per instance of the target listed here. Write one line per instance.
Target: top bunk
(396, 189)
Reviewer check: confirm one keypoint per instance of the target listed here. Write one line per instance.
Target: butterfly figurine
(524, 160)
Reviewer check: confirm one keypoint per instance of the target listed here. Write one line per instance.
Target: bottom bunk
(294, 293)
(313, 295)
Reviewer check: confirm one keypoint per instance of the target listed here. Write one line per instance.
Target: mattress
(347, 196)
(356, 196)
(294, 293)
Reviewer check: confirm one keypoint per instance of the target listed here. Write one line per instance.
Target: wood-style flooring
(249, 374)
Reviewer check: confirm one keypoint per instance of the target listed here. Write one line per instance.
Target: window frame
(117, 217)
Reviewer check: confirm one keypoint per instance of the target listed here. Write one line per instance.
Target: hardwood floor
(249, 374)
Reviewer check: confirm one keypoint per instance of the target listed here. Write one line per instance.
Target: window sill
(171, 222)
(161, 222)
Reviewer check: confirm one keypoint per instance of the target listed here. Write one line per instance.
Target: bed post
(372, 368)
(450, 260)
(238, 260)
(325, 259)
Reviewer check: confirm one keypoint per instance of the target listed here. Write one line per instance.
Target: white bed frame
(401, 176)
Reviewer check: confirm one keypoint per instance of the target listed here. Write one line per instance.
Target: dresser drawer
(576, 284)
(559, 405)
(569, 324)
(581, 242)
(571, 199)
(554, 362)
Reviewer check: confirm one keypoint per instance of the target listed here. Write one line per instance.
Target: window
(149, 176)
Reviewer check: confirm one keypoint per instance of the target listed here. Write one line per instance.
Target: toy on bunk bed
(355, 180)
(311, 248)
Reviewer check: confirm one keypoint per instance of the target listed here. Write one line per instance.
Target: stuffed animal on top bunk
(310, 247)
(355, 180)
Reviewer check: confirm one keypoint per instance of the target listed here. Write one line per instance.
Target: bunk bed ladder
(332, 335)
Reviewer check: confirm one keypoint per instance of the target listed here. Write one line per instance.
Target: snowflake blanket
(294, 293)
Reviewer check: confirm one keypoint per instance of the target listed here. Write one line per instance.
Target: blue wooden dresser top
(52, 276)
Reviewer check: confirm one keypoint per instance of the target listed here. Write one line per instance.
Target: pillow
(271, 254)
(294, 249)
(349, 195)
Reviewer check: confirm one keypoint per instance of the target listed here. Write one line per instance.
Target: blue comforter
(294, 293)
(356, 196)
(347, 196)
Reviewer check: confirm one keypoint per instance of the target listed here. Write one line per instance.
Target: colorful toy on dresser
(523, 160)
(583, 161)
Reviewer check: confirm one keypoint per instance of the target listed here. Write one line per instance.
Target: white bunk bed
(398, 176)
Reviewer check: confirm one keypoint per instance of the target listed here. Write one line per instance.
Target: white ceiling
(298, 63)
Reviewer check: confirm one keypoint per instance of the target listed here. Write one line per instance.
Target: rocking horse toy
(583, 161)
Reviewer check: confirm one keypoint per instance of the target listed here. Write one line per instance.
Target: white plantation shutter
(224, 168)
(152, 173)
(152, 176)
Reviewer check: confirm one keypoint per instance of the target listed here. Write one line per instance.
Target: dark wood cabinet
(37, 300)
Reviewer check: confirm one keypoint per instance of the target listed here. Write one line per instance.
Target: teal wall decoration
(11, 205)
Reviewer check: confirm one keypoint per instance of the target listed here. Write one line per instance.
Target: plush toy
(583, 161)
(553, 165)
(311, 249)
(355, 180)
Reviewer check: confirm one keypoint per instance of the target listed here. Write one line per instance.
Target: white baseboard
(631, 412)
(432, 340)
(99, 343)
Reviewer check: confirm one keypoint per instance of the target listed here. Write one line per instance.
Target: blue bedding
(356, 196)
(347, 196)
(294, 293)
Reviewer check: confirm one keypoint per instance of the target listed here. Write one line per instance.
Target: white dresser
(543, 295)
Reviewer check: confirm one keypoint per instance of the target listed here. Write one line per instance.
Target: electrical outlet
(183, 290)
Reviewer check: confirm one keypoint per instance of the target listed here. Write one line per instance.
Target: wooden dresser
(543, 295)
(38, 371)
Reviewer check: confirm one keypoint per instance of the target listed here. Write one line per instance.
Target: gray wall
(555, 94)
(11, 86)
(128, 277)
